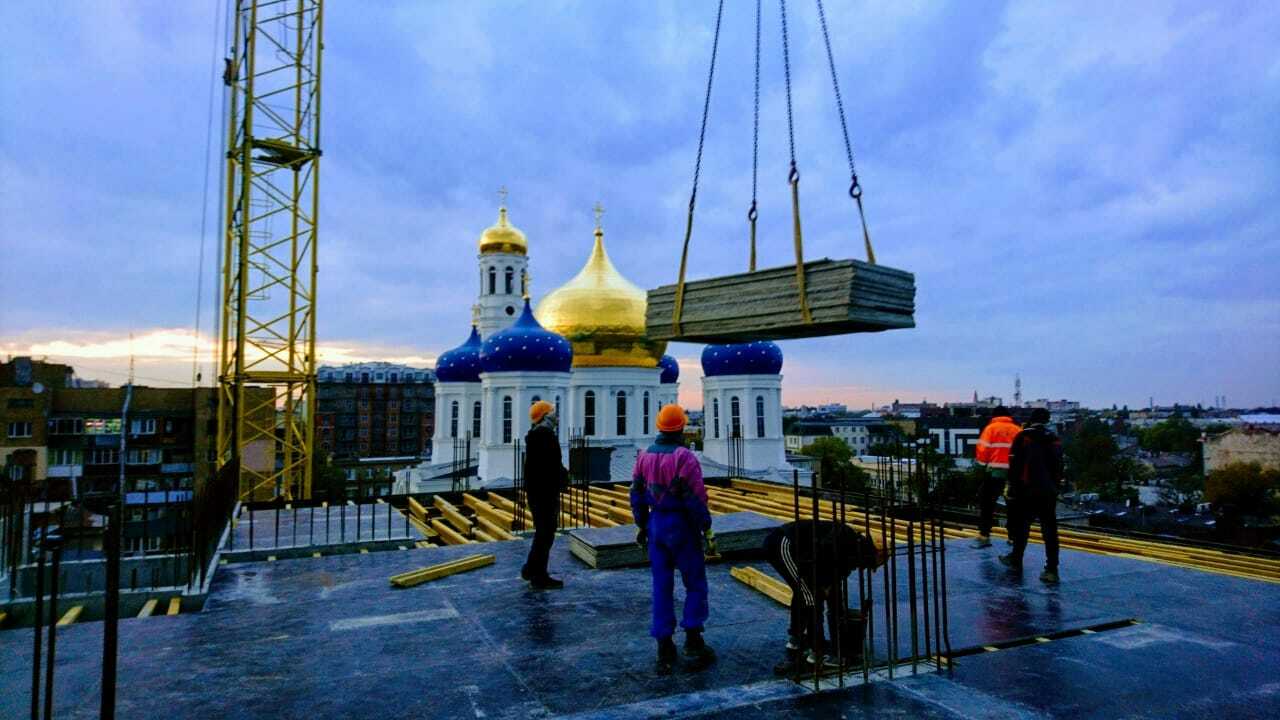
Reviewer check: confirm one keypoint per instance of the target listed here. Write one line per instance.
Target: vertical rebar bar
(815, 631)
(37, 655)
(53, 625)
(111, 614)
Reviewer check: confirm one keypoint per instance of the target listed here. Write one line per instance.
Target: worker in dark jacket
(814, 558)
(669, 503)
(1035, 475)
(544, 478)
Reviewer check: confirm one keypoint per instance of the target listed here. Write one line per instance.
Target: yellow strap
(799, 241)
(866, 236)
(684, 259)
(751, 266)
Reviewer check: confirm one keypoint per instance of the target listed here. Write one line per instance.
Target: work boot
(667, 656)
(789, 667)
(1011, 562)
(983, 541)
(828, 662)
(524, 573)
(1050, 576)
(697, 650)
(546, 582)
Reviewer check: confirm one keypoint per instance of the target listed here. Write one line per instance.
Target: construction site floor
(329, 637)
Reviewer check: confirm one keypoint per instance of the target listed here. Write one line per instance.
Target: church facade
(583, 349)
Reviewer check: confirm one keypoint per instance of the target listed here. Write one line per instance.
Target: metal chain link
(786, 69)
(855, 190)
(755, 128)
(706, 107)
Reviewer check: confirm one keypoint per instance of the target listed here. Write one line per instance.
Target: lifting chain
(752, 214)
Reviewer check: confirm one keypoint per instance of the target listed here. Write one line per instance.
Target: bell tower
(503, 260)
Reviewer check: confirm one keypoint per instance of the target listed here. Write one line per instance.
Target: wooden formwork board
(451, 513)
(769, 586)
(175, 606)
(448, 534)
(71, 615)
(148, 608)
(435, 572)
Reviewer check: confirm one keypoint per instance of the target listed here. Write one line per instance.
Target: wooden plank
(3, 616)
(455, 518)
(497, 532)
(175, 606)
(417, 510)
(483, 536)
(770, 587)
(448, 534)
(71, 615)
(435, 572)
(421, 527)
(488, 512)
(500, 502)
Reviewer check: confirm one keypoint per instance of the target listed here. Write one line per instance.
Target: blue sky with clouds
(1088, 193)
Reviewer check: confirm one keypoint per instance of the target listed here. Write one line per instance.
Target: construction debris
(435, 572)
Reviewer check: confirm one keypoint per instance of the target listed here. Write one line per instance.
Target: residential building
(1249, 443)
(27, 387)
(374, 410)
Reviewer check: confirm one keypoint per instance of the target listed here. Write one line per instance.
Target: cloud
(1087, 193)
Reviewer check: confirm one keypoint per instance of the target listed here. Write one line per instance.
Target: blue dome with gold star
(526, 347)
(461, 364)
(670, 369)
(754, 358)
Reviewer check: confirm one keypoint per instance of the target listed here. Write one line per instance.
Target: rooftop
(329, 637)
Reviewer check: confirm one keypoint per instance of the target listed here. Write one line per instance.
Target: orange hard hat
(671, 418)
(540, 409)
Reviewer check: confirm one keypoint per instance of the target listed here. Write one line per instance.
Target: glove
(709, 544)
(642, 539)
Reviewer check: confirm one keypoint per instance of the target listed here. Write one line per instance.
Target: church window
(644, 406)
(557, 406)
(475, 419)
(715, 416)
(511, 278)
(453, 419)
(493, 280)
(622, 414)
(589, 413)
(759, 416)
(735, 417)
(506, 418)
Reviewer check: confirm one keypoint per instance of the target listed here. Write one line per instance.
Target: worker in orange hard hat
(669, 503)
(993, 457)
(544, 478)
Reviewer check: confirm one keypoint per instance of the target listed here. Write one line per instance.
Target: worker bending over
(815, 570)
(669, 503)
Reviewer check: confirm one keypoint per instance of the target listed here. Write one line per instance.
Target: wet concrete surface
(330, 638)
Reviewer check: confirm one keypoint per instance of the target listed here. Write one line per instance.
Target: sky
(1088, 193)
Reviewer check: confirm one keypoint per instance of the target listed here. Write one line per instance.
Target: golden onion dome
(602, 314)
(503, 237)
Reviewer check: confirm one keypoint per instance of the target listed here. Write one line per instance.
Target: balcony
(177, 467)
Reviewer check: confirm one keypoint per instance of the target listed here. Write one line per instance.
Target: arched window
(557, 406)
(759, 416)
(511, 279)
(506, 418)
(475, 419)
(715, 416)
(735, 417)
(644, 406)
(589, 413)
(493, 280)
(453, 419)
(622, 414)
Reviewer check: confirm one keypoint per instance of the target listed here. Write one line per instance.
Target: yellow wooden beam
(447, 533)
(416, 509)
(148, 608)
(435, 572)
(71, 615)
(175, 605)
(770, 587)
(3, 616)
(450, 513)
(497, 532)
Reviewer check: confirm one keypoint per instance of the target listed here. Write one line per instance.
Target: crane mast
(266, 351)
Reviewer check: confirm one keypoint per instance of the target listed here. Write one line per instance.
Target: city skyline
(1053, 231)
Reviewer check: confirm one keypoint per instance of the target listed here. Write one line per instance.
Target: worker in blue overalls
(669, 503)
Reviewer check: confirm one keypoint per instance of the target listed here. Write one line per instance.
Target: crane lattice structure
(266, 355)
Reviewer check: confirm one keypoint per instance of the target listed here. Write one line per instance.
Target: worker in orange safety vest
(993, 457)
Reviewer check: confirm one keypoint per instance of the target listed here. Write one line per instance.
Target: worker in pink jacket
(669, 503)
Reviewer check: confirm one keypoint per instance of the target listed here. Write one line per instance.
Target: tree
(1092, 463)
(835, 464)
(329, 482)
(1173, 435)
(1244, 489)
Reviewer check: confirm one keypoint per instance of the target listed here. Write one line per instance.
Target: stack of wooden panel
(738, 534)
(845, 296)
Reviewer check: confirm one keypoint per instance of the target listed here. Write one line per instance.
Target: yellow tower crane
(266, 352)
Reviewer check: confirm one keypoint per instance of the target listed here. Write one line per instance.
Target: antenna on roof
(130, 357)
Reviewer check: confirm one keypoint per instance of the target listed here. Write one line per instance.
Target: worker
(669, 503)
(993, 459)
(1035, 476)
(814, 558)
(544, 478)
